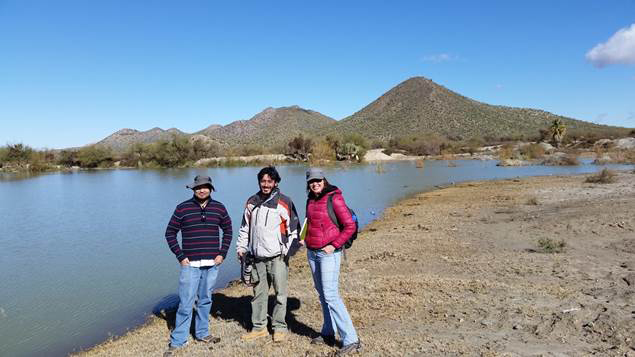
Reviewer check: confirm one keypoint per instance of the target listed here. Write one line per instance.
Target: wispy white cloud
(499, 86)
(440, 57)
(619, 49)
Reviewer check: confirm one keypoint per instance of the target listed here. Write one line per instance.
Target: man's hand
(302, 243)
(218, 260)
(185, 262)
(241, 254)
(328, 249)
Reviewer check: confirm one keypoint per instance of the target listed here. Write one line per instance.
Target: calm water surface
(84, 257)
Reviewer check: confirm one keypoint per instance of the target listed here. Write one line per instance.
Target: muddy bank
(461, 271)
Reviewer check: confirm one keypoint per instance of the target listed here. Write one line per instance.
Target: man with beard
(200, 220)
(269, 226)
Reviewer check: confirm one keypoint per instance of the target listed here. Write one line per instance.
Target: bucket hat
(201, 180)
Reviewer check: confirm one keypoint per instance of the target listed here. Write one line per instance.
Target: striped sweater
(199, 230)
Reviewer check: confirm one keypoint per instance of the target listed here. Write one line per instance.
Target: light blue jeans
(193, 283)
(325, 269)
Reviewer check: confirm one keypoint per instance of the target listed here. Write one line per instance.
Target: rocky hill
(417, 105)
(420, 105)
(126, 137)
(272, 126)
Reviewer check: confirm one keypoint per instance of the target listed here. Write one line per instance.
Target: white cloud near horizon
(440, 57)
(619, 49)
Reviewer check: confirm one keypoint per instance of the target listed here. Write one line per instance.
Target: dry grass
(604, 176)
(548, 245)
(533, 201)
(532, 151)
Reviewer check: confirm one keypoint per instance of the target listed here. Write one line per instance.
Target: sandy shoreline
(459, 271)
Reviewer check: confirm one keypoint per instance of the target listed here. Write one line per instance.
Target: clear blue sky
(73, 72)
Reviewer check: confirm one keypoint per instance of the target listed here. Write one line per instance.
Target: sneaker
(279, 336)
(209, 339)
(254, 334)
(170, 351)
(323, 340)
(354, 347)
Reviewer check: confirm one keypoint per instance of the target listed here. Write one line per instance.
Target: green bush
(94, 156)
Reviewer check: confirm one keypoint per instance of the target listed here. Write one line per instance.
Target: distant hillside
(126, 137)
(272, 126)
(420, 105)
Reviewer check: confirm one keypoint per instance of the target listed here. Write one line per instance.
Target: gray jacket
(269, 225)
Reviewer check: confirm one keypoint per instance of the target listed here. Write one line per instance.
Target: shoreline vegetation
(526, 266)
(181, 152)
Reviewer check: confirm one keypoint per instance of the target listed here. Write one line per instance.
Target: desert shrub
(18, 153)
(421, 144)
(250, 150)
(322, 150)
(68, 158)
(377, 144)
(532, 151)
(548, 245)
(532, 201)
(94, 156)
(3, 154)
(506, 152)
(300, 147)
(472, 145)
(604, 176)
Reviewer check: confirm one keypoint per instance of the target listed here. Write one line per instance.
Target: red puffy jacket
(321, 230)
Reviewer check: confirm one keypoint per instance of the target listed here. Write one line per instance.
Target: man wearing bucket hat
(202, 250)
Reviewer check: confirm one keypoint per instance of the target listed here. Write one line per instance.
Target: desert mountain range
(417, 105)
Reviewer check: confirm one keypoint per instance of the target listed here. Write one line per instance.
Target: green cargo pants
(276, 271)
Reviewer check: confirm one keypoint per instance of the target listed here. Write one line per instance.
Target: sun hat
(314, 173)
(201, 180)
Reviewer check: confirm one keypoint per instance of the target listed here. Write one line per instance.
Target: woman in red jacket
(324, 241)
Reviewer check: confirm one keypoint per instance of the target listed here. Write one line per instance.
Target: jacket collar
(327, 190)
(270, 200)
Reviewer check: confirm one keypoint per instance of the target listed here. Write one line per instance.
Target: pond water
(84, 255)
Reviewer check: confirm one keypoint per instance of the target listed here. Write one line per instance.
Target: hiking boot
(170, 351)
(279, 336)
(354, 347)
(209, 339)
(254, 334)
(323, 340)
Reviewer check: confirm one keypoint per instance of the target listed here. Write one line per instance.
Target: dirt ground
(460, 271)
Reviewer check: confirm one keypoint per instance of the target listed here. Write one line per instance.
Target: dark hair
(271, 171)
(308, 188)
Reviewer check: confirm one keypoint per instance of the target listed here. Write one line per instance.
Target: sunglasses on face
(314, 181)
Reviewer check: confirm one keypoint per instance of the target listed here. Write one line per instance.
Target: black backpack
(333, 217)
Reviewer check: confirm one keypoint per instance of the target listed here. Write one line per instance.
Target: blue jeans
(325, 269)
(193, 282)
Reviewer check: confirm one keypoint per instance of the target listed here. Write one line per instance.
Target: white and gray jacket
(269, 225)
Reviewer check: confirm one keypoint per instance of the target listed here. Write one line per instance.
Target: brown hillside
(272, 126)
(126, 137)
(420, 105)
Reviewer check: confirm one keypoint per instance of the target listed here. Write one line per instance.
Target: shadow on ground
(237, 309)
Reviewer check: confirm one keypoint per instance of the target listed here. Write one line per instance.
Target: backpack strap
(331, 211)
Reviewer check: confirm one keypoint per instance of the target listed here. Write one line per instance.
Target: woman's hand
(185, 262)
(328, 249)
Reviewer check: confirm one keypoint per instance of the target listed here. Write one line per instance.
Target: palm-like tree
(557, 130)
